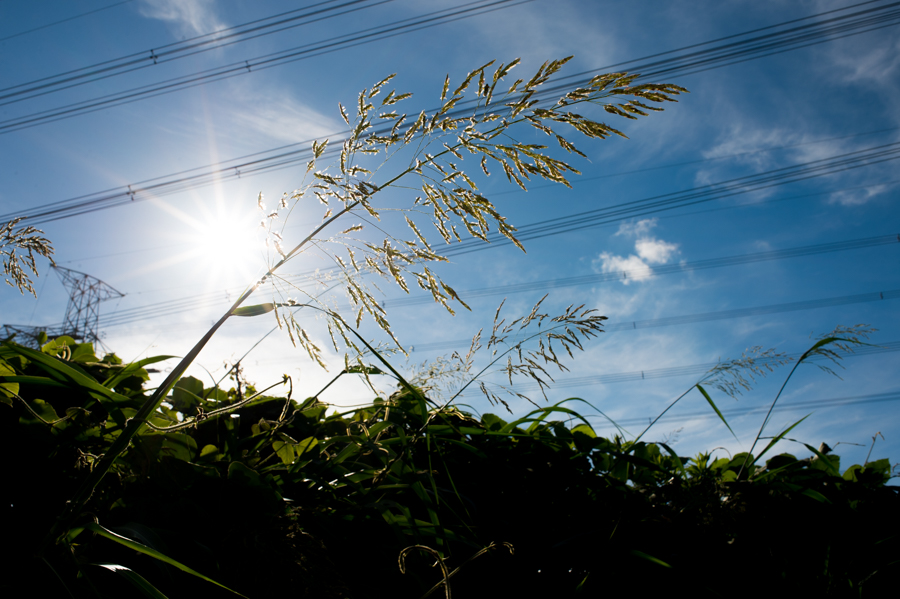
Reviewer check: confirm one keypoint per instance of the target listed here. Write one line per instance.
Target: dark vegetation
(282, 498)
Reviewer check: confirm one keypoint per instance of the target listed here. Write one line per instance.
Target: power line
(72, 18)
(592, 218)
(673, 371)
(669, 165)
(608, 175)
(776, 42)
(664, 269)
(751, 48)
(634, 325)
(259, 63)
(679, 215)
(177, 50)
(689, 197)
(281, 157)
(170, 307)
(730, 412)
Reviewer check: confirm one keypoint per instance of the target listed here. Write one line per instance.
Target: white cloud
(189, 17)
(655, 251)
(635, 268)
(649, 250)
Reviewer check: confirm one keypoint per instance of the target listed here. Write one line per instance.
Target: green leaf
(712, 403)
(52, 347)
(68, 374)
(135, 579)
(543, 413)
(815, 495)
(492, 422)
(357, 369)
(240, 473)
(285, 451)
(132, 369)
(649, 558)
(141, 548)
(778, 464)
(83, 352)
(180, 446)
(186, 394)
(585, 429)
(883, 465)
(253, 310)
(852, 472)
(678, 463)
(306, 445)
(44, 410)
(35, 380)
(829, 463)
(7, 389)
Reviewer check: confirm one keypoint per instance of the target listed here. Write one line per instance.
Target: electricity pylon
(82, 312)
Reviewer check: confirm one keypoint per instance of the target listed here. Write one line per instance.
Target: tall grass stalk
(449, 193)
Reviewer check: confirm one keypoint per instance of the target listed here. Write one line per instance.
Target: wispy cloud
(282, 118)
(856, 197)
(873, 58)
(187, 17)
(746, 144)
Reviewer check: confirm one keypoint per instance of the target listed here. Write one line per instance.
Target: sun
(219, 245)
(229, 245)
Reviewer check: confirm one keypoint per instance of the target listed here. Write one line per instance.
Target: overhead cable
(191, 303)
(292, 154)
(181, 49)
(194, 302)
(689, 197)
(812, 404)
(729, 50)
(66, 20)
(236, 69)
(634, 325)
(673, 371)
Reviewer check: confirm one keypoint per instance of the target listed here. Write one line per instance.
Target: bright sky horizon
(760, 210)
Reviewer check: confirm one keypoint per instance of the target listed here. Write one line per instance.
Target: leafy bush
(279, 496)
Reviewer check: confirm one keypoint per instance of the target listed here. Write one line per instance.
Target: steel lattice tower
(83, 311)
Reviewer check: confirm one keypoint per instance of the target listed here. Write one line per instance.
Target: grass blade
(649, 558)
(141, 548)
(712, 403)
(135, 579)
(777, 438)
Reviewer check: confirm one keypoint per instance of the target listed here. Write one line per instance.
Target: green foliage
(265, 495)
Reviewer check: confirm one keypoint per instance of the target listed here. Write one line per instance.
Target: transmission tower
(82, 312)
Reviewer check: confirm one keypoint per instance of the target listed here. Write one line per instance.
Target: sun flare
(226, 245)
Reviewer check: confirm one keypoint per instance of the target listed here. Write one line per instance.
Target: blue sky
(833, 102)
